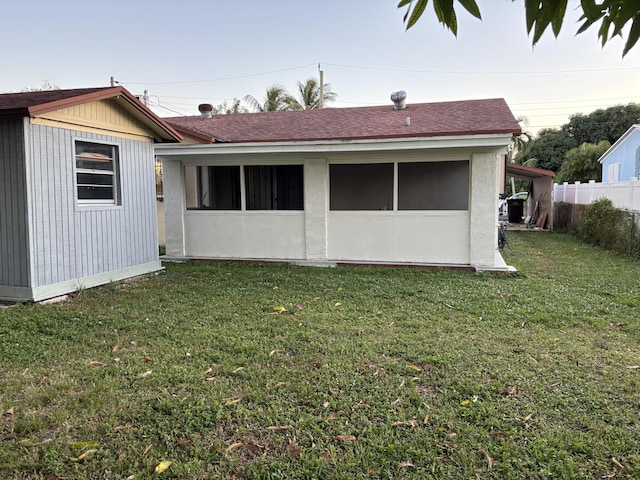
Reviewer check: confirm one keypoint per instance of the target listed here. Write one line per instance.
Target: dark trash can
(516, 208)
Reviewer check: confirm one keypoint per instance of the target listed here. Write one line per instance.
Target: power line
(478, 72)
(210, 80)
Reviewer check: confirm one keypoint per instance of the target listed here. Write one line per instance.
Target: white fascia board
(497, 142)
(619, 142)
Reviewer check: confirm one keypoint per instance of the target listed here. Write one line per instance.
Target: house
(622, 161)
(77, 177)
(396, 184)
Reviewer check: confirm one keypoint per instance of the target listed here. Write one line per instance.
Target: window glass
(96, 172)
(213, 187)
(433, 186)
(361, 186)
(274, 187)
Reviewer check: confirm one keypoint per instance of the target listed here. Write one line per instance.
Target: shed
(77, 183)
(392, 184)
(540, 203)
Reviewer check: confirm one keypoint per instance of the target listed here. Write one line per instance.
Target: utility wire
(210, 80)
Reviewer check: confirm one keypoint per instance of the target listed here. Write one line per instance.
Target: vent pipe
(206, 110)
(398, 99)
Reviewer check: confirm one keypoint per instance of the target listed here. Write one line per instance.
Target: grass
(366, 373)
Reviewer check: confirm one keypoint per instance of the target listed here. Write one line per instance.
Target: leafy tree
(547, 150)
(309, 95)
(276, 100)
(603, 124)
(225, 109)
(611, 15)
(581, 163)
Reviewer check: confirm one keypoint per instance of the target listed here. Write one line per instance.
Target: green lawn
(362, 373)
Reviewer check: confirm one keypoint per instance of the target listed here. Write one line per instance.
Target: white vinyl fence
(624, 195)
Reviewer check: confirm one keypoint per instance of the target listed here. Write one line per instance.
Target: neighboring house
(622, 161)
(77, 183)
(374, 185)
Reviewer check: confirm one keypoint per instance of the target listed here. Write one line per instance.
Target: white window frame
(114, 171)
(613, 172)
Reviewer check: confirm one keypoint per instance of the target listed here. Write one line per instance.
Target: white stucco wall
(440, 237)
(436, 237)
(483, 227)
(253, 235)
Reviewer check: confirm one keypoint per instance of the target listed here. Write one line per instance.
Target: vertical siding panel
(14, 269)
(71, 242)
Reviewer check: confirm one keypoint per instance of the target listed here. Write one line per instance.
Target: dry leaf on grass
(273, 352)
(234, 446)
(116, 347)
(510, 391)
(11, 411)
(295, 451)
(406, 464)
(277, 385)
(489, 459)
(346, 438)
(146, 450)
(279, 309)
(84, 456)
(95, 363)
(279, 427)
(145, 374)
(162, 466)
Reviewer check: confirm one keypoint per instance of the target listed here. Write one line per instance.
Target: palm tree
(276, 100)
(519, 143)
(309, 95)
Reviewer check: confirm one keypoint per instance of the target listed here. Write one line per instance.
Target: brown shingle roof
(470, 117)
(36, 103)
(20, 103)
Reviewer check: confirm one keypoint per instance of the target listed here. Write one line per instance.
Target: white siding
(72, 242)
(14, 257)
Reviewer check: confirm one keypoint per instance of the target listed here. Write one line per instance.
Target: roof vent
(206, 110)
(398, 99)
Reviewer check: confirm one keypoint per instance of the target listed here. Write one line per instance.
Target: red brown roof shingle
(470, 117)
(36, 103)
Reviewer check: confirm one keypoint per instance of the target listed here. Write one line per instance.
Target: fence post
(591, 183)
(633, 184)
(631, 232)
(575, 194)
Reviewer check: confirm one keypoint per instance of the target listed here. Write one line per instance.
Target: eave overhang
(490, 142)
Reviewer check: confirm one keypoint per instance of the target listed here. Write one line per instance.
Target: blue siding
(69, 241)
(627, 154)
(14, 256)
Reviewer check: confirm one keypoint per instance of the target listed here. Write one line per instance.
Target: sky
(211, 51)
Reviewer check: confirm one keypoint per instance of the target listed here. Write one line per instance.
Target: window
(613, 172)
(366, 186)
(274, 187)
(213, 188)
(97, 173)
(433, 186)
